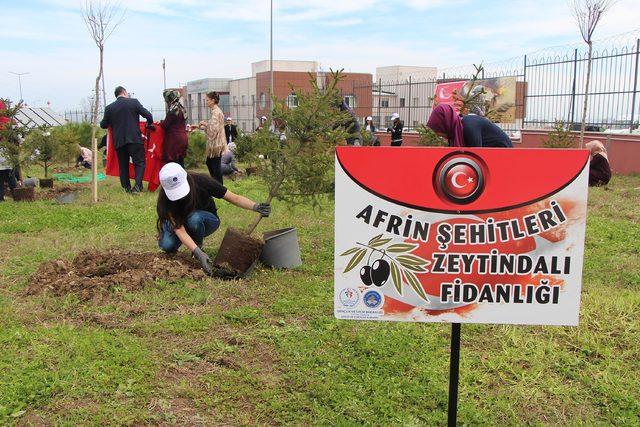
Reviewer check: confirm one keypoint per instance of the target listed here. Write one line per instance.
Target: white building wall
(243, 103)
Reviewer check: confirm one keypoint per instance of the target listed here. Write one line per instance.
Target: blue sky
(219, 38)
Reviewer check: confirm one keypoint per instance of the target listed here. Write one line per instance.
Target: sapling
(295, 158)
(43, 145)
(12, 137)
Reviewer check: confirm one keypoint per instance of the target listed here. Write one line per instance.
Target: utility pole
(164, 72)
(19, 81)
(271, 63)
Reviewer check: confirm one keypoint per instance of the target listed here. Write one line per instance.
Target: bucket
(24, 194)
(46, 183)
(281, 249)
(31, 182)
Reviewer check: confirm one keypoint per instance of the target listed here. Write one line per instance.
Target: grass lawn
(267, 350)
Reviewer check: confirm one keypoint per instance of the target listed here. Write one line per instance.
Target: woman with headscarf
(216, 142)
(467, 131)
(175, 129)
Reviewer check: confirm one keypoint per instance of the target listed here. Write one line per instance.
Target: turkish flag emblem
(460, 179)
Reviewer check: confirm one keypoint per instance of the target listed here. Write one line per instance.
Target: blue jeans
(199, 224)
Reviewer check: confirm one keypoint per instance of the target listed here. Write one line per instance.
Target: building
(197, 91)
(250, 97)
(395, 91)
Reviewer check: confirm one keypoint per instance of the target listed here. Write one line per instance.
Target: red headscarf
(444, 119)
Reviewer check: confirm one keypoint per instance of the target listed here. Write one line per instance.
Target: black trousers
(396, 143)
(6, 175)
(136, 152)
(214, 164)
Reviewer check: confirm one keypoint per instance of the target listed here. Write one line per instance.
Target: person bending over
(467, 131)
(599, 168)
(187, 212)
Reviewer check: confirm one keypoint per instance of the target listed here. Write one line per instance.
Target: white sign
(466, 236)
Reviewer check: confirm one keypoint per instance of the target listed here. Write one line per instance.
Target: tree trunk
(46, 169)
(586, 96)
(272, 193)
(94, 130)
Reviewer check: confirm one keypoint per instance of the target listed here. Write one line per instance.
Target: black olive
(365, 275)
(380, 271)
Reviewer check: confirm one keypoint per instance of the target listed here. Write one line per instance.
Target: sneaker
(136, 190)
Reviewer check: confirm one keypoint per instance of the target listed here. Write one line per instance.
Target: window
(416, 102)
(235, 101)
(292, 101)
(402, 102)
(253, 100)
(243, 100)
(384, 103)
(387, 121)
(350, 100)
(263, 100)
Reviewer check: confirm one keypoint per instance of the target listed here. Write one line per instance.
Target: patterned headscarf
(172, 98)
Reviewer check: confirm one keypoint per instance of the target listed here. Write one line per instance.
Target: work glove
(204, 260)
(263, 208)
(151, 127)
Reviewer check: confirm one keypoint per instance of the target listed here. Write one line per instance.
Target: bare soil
(94, 273)
(238, 252)
(52, 193)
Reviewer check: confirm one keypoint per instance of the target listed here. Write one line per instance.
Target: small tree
(101, 17)
(12, 137)
(560, 137)
(428, 138)
(196, 149)
(42, 145)
(68, 139)
(296, 162)
(471, 96)
(588, 14)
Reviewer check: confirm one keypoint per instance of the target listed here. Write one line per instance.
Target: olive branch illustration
(402, 265)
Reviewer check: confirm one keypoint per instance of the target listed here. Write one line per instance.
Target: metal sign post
(454, 374)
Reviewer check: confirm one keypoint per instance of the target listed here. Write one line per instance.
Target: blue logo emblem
(372, 299)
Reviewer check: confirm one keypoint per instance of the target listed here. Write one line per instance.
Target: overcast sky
(219, 38)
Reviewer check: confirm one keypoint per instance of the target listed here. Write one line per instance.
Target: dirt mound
(52, 193)
(93, 273)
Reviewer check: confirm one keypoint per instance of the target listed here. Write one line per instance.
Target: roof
(32, 117)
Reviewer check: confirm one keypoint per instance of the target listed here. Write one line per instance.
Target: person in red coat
(175, 129)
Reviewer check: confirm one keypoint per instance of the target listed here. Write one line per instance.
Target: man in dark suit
(123, 118)
(230, 131)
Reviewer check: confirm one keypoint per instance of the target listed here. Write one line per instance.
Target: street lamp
(271, 62)
(19, 81)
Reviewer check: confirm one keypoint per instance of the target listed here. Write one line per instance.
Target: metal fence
(550, 87)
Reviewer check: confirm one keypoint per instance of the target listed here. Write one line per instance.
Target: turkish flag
(444, 93)
(153, 143)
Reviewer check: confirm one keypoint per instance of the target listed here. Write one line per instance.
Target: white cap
(395, 116)
(368, 118)
(229, 118)
(173, 179)
(263, 118)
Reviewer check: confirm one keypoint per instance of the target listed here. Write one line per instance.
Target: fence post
(379, 100)
(408, 127)
(635, 87)
(573, 89)
(525, 89)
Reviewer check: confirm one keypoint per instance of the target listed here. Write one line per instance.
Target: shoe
(136, 190)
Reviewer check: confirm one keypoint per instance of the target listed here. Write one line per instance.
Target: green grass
(267, 350)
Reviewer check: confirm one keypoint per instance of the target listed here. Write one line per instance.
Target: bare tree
(101, 17)
(588, 14)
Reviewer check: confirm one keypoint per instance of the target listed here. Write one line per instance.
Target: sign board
(480, 235)
(499, 95)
